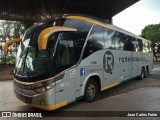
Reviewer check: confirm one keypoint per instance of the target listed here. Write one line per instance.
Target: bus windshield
(33, 64)
(30, 61)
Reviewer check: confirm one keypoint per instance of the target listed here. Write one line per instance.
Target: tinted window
(147, 47)
(83, 28)
(140, 44)
(113, 39)
(108, 38)
(150, 47)
(117, 41)
(95, 41)
(135, 42)
(65, 52)
(80, 38)
(128, 43)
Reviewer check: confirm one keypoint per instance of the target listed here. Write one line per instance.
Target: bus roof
(93, 20)
(102, 23)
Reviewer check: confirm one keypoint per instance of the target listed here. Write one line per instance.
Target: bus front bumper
(44, 101)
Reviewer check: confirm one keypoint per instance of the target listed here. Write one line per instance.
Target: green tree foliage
(8, 60)
(10, 30)
(152, 32)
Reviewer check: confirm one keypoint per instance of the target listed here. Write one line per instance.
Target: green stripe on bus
(129, 79)
(79, 98)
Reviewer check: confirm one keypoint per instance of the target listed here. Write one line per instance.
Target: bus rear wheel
(147, 71)
(142, 76)
(91, 91)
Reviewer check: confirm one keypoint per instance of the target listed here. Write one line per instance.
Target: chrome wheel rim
(91, 91)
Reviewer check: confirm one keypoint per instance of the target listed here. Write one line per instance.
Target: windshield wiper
(21, 56)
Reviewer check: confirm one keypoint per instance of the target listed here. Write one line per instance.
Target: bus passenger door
(66, 74)
(65, 88)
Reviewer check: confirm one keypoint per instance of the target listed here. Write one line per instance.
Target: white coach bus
(70, 57)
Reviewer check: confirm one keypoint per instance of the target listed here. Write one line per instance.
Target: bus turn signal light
(9, 43)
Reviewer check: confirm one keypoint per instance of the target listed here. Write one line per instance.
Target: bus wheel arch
(98, 81)
(92, 86)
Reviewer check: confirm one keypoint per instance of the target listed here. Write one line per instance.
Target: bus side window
(117, 41)
(140, 44)
(107, 38)
(150, 47)
(79, 43)
(135, 42)
(147, 47)
(83, 29)
(95, 41)
(128, 45)
(65, 50)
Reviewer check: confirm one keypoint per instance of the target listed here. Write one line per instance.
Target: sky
(139, 15)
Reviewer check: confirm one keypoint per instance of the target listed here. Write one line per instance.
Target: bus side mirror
(44, 35)
(10, 42)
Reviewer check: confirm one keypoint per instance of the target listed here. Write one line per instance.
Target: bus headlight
(45, 88)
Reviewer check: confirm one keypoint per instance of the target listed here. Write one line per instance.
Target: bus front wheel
(91, 91)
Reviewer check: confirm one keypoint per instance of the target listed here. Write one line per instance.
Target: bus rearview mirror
(9, 43)
(44, 35)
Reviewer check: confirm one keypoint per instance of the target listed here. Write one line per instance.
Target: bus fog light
(44, 89)
(40, 90)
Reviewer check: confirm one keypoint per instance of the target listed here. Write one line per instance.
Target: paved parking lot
(133, 95)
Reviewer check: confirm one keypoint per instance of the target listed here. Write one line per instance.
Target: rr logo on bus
(108, 62)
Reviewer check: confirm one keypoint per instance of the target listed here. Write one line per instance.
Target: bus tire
(142, 76)
(91, 91)
(147, 71)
